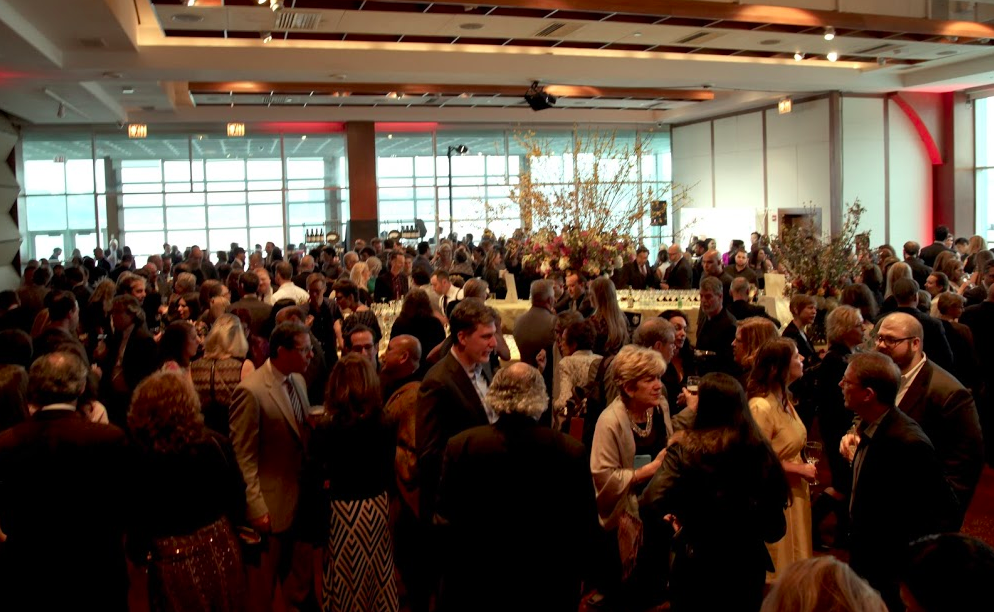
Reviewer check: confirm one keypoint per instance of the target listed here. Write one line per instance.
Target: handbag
(630, 531)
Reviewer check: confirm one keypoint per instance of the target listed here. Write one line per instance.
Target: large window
(984, 136)
(413, 177)
(182, 189)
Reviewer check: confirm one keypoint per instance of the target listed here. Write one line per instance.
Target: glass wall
(180, 189)
(413, 177)
(984, 138)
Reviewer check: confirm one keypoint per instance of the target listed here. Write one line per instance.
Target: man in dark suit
(392, 283)
(919, 271)
(929, 253)
(936, 345)
(259, 311)
(62, 501)
(451, 396)
(740, 308)
(980, 319)
(939, 403)
(575, 296)
(950, 309)
(714, 268)
(517, 470)
(128, 356)
(269, 434)
(535, 330)
(899, 493)
(639, 274)
(680, 273)
(715, 331)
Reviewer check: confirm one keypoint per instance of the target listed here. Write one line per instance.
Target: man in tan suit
(269, 433)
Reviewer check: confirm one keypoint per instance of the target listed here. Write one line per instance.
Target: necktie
(445, 303)
(298, 409)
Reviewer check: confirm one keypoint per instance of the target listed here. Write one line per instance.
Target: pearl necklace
(638, 431)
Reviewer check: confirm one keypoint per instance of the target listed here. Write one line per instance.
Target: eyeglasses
(890, 342)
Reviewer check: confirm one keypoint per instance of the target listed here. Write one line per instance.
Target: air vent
(294, 20)
(558, 29)
(887, 48)
(699, 37)
(275, 99)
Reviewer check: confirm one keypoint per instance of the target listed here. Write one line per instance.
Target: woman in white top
(573, 370)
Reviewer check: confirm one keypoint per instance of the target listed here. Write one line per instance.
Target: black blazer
(679, 275)
(834, 419)
(141, 358)
(948, 415)
(980, 320)
(929, 253)
(899, 495)
(519, 471)
(632, 277)
(804, 346)
(741, 309)
(919, 271)
(383, 292)
(584, 307)
(447, 404)
(716, 335)
(62, 507)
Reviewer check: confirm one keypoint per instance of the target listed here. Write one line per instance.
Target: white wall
(863, 158)
(797, 156)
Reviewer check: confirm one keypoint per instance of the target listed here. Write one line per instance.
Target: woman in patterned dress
(350, 466)
(776, 366)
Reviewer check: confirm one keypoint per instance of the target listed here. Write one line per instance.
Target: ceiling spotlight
(276, 5)
(262, 1)
(832, 56)
(538, 99)
(266, 37)
(829, 33)
(191, 2)
(61, 111)
(458, 149)
(127, 90)
(798, 56)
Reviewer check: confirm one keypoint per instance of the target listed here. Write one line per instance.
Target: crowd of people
(239, 434)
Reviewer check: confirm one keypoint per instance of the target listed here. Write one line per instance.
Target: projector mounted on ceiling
(538, 99)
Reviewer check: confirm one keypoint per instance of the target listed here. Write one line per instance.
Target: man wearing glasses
(938, 402)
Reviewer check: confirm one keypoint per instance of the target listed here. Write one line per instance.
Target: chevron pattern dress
(358, 561)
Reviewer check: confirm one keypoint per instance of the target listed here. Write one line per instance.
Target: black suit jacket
(583, 306)
(741, 309)
(62, 507)
(964, 354)
(899, 495)
(980, 320)
(834, 419)
(935, 344)
(447, 404)
(804, 346)
(948, 415)
(384, 287)
(632, 276)
(715, 335)
(519, 471)
(141, 358)
(929, 253)
(679, 275)
(258, 310)
(919, 271)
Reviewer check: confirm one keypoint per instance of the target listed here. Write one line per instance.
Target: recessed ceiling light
(798, 56)
(127, 90)
(770, 41)
(832, 56)
(471, 26)
(304, 137)
(637, 34)
(339, 77)
(829, 33)
(187, 18)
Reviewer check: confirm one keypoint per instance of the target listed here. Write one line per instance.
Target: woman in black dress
(417, 318)
(724, 491)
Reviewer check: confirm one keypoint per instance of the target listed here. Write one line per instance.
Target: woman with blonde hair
(976, 245)
(750, 335)
(183, 506)
(222, 368)
(633, 425)
(777, 365)
(822, 584)
(609, 322)
(350, 466)
(360, 277)
(375, 265)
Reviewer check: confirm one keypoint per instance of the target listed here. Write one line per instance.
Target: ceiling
(608, 61)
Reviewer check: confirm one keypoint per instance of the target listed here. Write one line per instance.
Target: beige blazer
(269, 445)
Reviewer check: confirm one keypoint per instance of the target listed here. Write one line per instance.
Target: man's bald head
(904, 323)
(409, 344)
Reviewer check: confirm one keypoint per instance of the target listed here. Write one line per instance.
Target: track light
(458, 149)
(266, 37)
(538, 99)
(829, 33)
(832, 56)
(798, 56)
(276, 5)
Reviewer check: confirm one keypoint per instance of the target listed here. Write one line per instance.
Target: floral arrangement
(584, 214)
(819, 267)
(580, 250)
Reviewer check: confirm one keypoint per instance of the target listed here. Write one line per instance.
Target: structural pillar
(360, 143)
(10, 236)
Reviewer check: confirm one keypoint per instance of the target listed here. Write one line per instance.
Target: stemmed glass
(812, 454)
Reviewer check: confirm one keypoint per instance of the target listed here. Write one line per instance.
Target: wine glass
(812, 454)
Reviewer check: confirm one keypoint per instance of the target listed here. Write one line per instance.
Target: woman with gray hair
(627, 449)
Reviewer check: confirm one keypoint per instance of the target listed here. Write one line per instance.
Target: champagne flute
(812, 454)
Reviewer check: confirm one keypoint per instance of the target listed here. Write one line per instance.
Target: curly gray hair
(519, 388)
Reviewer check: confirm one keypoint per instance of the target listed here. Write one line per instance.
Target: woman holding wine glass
(776, 366)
